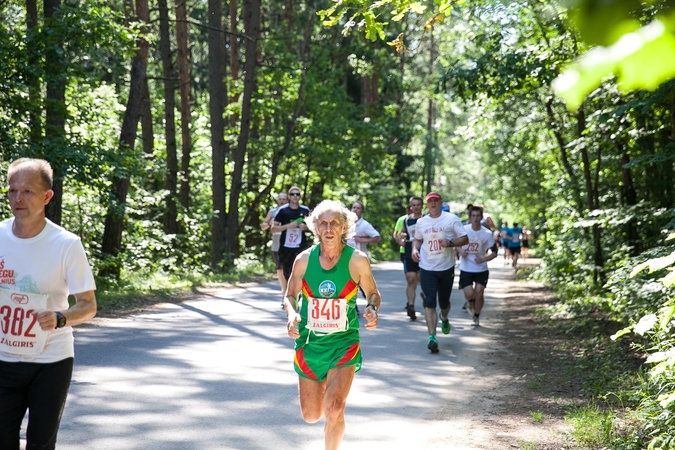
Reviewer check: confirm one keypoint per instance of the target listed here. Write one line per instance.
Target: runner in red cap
(435, 235)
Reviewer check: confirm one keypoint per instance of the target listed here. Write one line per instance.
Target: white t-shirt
(276, 237)
(52, 263)
(432, 232)
(479, 242)
(362, 228)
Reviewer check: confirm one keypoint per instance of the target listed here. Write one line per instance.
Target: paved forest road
(217, 373)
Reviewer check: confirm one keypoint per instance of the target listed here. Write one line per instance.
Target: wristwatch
(60, 320)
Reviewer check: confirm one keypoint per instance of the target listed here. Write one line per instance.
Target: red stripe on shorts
(302, 364)
(351, 353)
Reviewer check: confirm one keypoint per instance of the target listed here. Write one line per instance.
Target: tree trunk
(629, 198)
(33, 77)
(55, 105)
(217, 103)
(429, 148)
(171, 182)
(114, 220)
(183, 58)
(292, 123)
(147, 133)
(234, 54)
(251, 25)
(591, 201)
(562, 147)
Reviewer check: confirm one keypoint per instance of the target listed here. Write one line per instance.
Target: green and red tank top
(317, 286)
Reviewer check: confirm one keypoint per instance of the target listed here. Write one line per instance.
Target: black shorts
(439, 284)
(514, 250)
(287, 258)
(410, 266)
(526, 243)
(277, 261)
(469, 278)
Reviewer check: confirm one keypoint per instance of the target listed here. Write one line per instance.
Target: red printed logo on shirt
(21, 299)
(6, 276)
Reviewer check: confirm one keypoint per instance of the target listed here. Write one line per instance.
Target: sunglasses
(295, 194)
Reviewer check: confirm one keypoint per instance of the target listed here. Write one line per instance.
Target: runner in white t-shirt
(365, 232)
(41, 264)
(282, 201)
(474, 274)
(435, 235)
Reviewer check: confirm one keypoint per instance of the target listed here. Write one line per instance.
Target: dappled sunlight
(203, 370)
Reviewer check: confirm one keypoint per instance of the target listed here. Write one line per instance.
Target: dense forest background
(172, 126)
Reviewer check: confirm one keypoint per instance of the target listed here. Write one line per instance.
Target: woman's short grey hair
(346, 215)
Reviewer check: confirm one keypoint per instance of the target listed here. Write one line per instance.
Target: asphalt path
(217, 373)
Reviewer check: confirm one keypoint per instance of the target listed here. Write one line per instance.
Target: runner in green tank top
(327, 348)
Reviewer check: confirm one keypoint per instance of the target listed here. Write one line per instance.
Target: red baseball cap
(434, 195)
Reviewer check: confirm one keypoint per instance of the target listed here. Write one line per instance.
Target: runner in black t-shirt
(293, 230)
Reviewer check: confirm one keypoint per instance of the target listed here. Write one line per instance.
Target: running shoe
(464, 305)
(445, 326)
(476, 322)
(411, 312)
(433, 344)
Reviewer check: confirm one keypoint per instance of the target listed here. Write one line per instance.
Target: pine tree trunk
(33, 76)
(55, 105)
(252, 20)
(171, 181)
(234, 53)
(183, 59)
(114, 220)
(217, 103)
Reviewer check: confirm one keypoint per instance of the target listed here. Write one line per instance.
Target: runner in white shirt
(365, 232)
(41, 264)
(282, 201)
(474, 274)
(435, 235)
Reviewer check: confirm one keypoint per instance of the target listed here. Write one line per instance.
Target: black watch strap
(60, 320)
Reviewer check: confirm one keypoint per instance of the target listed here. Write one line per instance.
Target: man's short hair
(43, 167)
(295, 187)
(415, 197)
(346, 215)
(363, 208)
(476, 208)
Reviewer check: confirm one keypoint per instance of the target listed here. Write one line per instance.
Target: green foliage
(634, 40)
(592, 426)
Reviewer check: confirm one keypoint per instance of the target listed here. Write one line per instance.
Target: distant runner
(289, 221)
(365, 232)
(282, 201)
(474, 274)
(403, 233)
(435, 234)
(326, 329)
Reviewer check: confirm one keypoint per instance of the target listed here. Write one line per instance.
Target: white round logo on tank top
(327, 288)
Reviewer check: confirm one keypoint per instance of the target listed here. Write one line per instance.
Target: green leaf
(669, 279)
(666, 316)
(666, 399)
(642, 60)
(417, 8)
(621, 332)
(639, 268)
